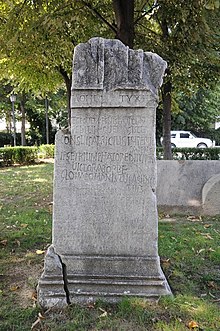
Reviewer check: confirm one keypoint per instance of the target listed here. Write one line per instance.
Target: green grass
(190, 257)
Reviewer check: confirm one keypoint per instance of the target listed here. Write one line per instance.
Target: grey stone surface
(211, 196)
(180, 185)
(105, 215)
(50, 289)
(108, 65)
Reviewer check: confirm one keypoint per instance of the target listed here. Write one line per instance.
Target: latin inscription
(125, 150)
(107, 120)
(110, 99)
(104, 157)
(96, 140)
(113, 177)
(93, 98)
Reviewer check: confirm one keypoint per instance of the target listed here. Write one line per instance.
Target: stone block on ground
(105, 222)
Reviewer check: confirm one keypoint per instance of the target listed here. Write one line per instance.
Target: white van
(188, 139)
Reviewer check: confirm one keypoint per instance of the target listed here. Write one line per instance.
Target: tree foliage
(198, 112)
(37, 39)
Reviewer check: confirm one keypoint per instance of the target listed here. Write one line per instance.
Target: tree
(44, 34)
(185, 37)
(181, 35)
(124, 17)
(37, 41)
(198, 112)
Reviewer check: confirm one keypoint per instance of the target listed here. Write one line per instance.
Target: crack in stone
(65, 281)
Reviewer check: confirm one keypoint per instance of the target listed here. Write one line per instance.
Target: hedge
(192, 153)
(20, 155)
(46, 151)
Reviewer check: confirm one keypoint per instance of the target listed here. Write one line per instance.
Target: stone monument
(105, 222)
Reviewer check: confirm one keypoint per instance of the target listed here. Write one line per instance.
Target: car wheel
(202, 145)
(173, 146)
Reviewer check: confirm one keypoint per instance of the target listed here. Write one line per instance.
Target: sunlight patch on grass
(40, 180)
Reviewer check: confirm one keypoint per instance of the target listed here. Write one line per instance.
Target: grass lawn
(190, 257)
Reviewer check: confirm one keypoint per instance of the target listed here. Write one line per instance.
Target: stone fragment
(51, 291)
(211, 196)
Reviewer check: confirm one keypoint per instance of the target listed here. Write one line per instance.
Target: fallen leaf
(101, 309)
(41, 316)
(24, 225)
(14, 287)
(206, 226)
(211, 250)
(217, 300)
(207, 235)
(200, 251)
(17, 242)
(104, 314)
(212, 284)
(91, 306)
(39, 252)
(174, 238)
(4, 242)
(193, 325)
(35, 323)
(34, 296)
(211, 295)
(194, 218)
(165, 260)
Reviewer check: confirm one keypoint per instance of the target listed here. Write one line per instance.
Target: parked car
(188, 139)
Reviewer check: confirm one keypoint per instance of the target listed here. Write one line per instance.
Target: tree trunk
(8, 121)
(166, 96)
(47, 120)
(68, 81)
(124, 16)
(23, 139)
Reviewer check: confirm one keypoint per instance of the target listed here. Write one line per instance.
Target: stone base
(86, 289)
(85, 279)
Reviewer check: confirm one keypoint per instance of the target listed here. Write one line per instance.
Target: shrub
(46, 151)
(20, 155)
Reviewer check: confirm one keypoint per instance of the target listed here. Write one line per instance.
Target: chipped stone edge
(152, 61)
(52, 289)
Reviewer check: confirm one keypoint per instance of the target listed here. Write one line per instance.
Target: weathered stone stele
(105, 218)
